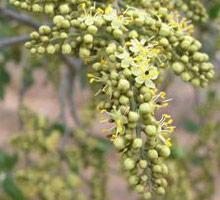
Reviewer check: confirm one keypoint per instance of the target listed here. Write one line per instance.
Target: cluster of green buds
(126, 48)
(55, 173)
(193, 9)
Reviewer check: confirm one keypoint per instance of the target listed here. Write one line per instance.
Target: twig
(6, 42)
(70, 95)
(22, 18)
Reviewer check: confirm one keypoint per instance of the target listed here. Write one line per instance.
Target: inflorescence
(128, 44)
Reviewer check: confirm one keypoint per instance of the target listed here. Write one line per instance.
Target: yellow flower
(147, 76)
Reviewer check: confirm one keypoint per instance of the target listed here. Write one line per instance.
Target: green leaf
(191, 126)
(214, 11)
(11, 189)
(7, 162)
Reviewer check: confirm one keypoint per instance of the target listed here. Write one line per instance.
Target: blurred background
(38, 160)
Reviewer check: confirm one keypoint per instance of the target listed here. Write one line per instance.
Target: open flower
(146, 76)
(126, 59)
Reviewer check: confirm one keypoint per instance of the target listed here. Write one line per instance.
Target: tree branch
(5, 42)
(22, 18)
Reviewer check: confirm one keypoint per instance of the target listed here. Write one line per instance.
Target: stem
(6, 42)
(22, 18)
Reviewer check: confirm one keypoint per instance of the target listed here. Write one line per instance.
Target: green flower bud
(88, 38)
(119, 143)
(152, 154)
(37, 8)
(49, 8)
(137, 143)
(92, 29)
(150, 130)
(66, 49)
(64, 9)
(165, 30)
(164, 169)
(133, 180)
(123, 85)
(164, 151)
(51, 49)
(178, 67)
(111, 48)
(139, 188)
(160, 191)
(84, 53)
(117, 33)
(157, 169)
(146, 108)
(129, 164)
(185, 44)
(195, 82)
(164, 42)
(186, 76)
(143, 164)
(147, 195)
(133, 116)
(124, 100)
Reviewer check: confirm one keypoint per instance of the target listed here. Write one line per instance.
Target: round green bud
(133, 180)
(58, 19)
(150, 130)
(165, 30)
(164, 169)
(160, 191)
(111, 48)
(133, 34)
(146, 108)
(124, 100)
(164, 42)
(37, 8)
(84, 52)
(147, 195)
(139, 188)
(64, 9)
(117, 33)
(41, 50)
(143, 164)
(185, 44)
(157, 169)
(123, 85)
(152, 154)
(66, 49)
(92, 29)
(137, 143)
(195, 82)
(88, 38)
(119, 143)
(51, 49)
(49, 8)
(133, 116)
(44, 29)
(129, 164)
(164, 151)
(186, 76)
(185, 59)
(178, 67)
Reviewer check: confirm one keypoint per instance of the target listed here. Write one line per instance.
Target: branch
(25, 19)
(5, 42)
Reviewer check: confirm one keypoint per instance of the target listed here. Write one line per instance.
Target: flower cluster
(127, 47)
(52, 172)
